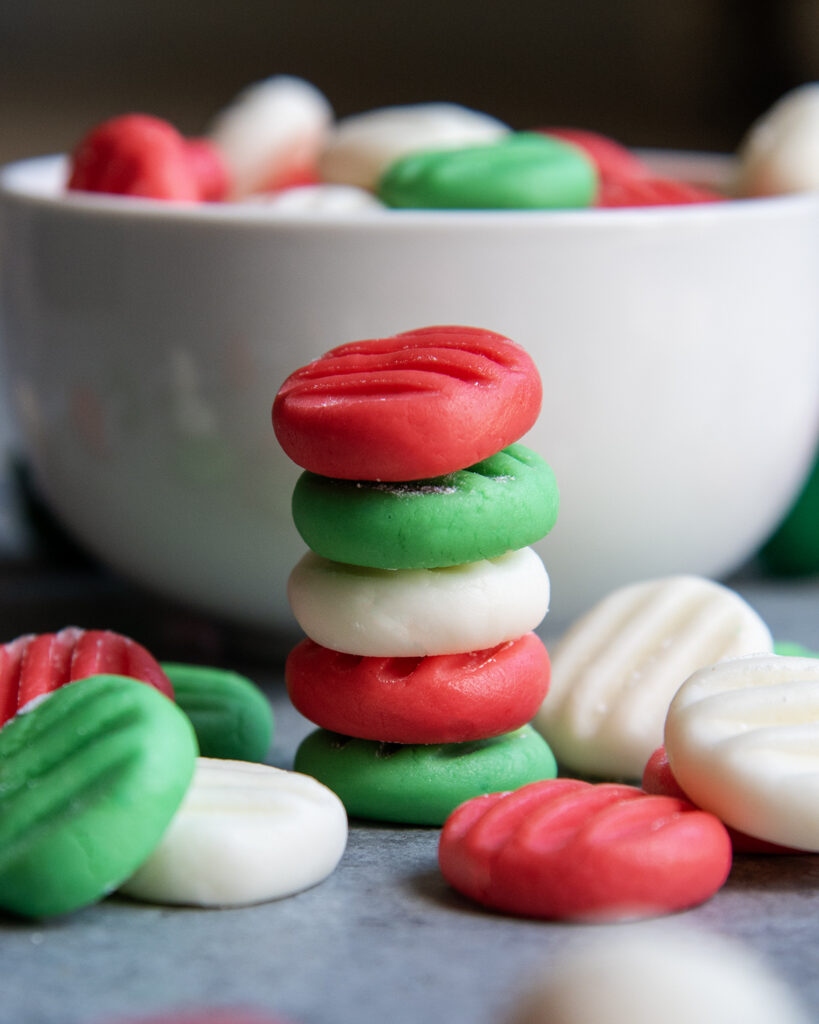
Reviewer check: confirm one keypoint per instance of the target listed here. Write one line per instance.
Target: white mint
(743, 742)
(644, 974)
(245, 833)
(416, 612)
(780, 153)
(361, 147)
(617, 669)
(272, 125)
(317, 199)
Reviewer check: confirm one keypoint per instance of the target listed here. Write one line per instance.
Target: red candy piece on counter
(659, 779)
(135, 155)
(563, 849)
(417, 405)
(613, 161)
(449, 698)
(653, 192)
(34, 665)
(209, 170)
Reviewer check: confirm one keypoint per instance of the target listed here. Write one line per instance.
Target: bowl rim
(39, 182)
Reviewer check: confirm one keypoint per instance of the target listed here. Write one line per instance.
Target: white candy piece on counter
(272, 130)
(780, 153)
(742, 740)
(360, 148)
(642, 974)
(245, 833)
(416, 612)
(316, 199)
(616, 670)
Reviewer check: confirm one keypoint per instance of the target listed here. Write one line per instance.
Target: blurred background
(681, 74)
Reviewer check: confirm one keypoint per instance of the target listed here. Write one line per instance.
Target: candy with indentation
(522, 171)
(641, 974)
(742, 739)
(505, 502)
(658, 778)
(443, 699)
(420, 404)
(230, 715)
(361, 147)
(36, 664)
(780, 152)
(616, 670)
(408, 613)
(245, 833)
(270, 135)
(569, 850)
(421, 784)
(89, 780)
(135, 155)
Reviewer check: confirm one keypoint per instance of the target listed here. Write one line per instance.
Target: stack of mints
(420, 593)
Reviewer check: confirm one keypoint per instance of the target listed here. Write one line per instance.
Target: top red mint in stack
(419, 404)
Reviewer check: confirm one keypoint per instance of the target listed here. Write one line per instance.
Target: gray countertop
(383, 938)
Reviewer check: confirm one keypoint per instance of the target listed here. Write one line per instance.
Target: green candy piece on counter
(521, 171)
(503, 503)
(231, 717)
(418, 784)
(90, 778)
(791, 650)
(793, 549)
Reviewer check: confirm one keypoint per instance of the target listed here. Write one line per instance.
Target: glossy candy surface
(521, 171)
(569, 850)
(421, 785)
(135, 155)
(444, 699)
(230, 715)
(416, 405)
(743, 742)
(89, 780)
(36, 664)
(505, 502)
(414, 612)
(245, 833)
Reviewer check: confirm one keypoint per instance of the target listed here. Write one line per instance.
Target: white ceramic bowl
(679, 350)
